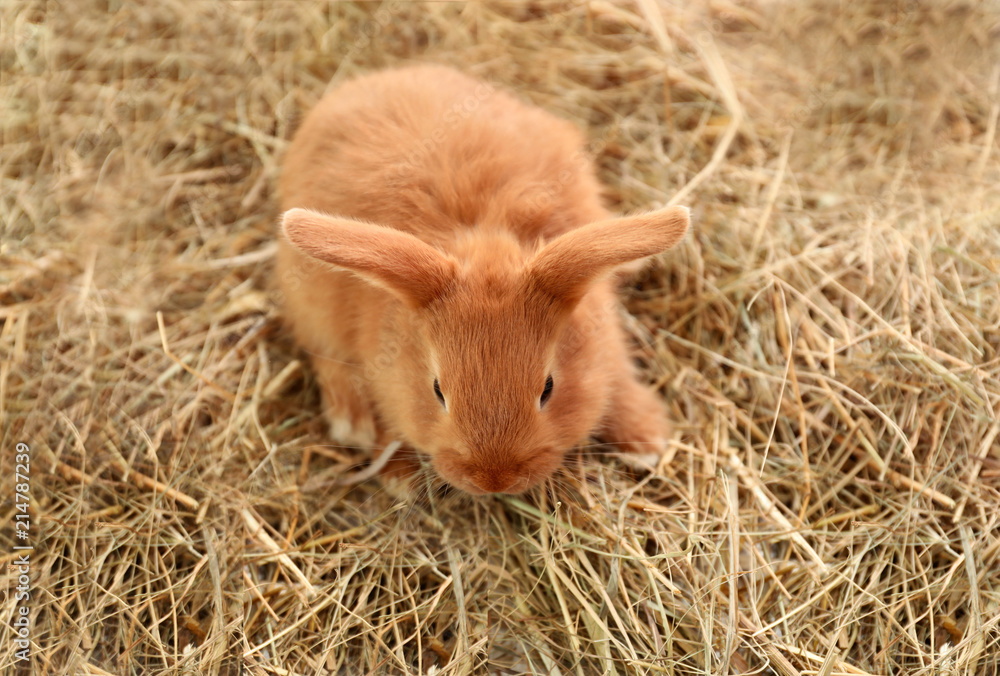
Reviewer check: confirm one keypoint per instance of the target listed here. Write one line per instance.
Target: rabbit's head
(497, 367)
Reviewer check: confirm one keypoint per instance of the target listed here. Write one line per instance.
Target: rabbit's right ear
(392, 259)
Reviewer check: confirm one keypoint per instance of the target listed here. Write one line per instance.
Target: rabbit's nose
(497, 481)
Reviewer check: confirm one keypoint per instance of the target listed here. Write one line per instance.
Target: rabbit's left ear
(566, 266)
(397, 261)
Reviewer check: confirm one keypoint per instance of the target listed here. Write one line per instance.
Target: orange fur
(470, 247)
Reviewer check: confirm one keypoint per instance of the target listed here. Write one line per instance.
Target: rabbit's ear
(566, 266)
(392, 259)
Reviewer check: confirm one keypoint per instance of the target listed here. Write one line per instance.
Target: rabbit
(448, 264)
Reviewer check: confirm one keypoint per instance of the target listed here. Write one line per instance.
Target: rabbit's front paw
(637, 423)
(347, 411)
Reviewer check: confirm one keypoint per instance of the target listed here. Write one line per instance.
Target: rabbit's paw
(402, 474)
(637, 424)
(347, 411)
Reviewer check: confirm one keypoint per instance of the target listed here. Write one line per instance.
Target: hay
(828, 341)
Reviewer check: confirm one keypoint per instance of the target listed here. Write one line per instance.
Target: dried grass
(828, 340)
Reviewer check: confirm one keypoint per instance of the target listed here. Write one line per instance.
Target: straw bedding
(828, 341)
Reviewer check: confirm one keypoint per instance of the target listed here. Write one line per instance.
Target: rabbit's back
(429, 150)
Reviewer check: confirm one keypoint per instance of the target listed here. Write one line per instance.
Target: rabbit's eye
(437, 392)
(546, 393)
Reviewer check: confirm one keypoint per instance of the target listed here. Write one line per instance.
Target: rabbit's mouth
(507, 476)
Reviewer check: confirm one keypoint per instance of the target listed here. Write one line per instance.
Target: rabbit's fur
(442, 236)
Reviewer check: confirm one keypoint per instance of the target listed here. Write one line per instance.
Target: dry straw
(828, 341)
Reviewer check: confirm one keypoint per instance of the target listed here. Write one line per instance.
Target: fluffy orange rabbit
(449, 267)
